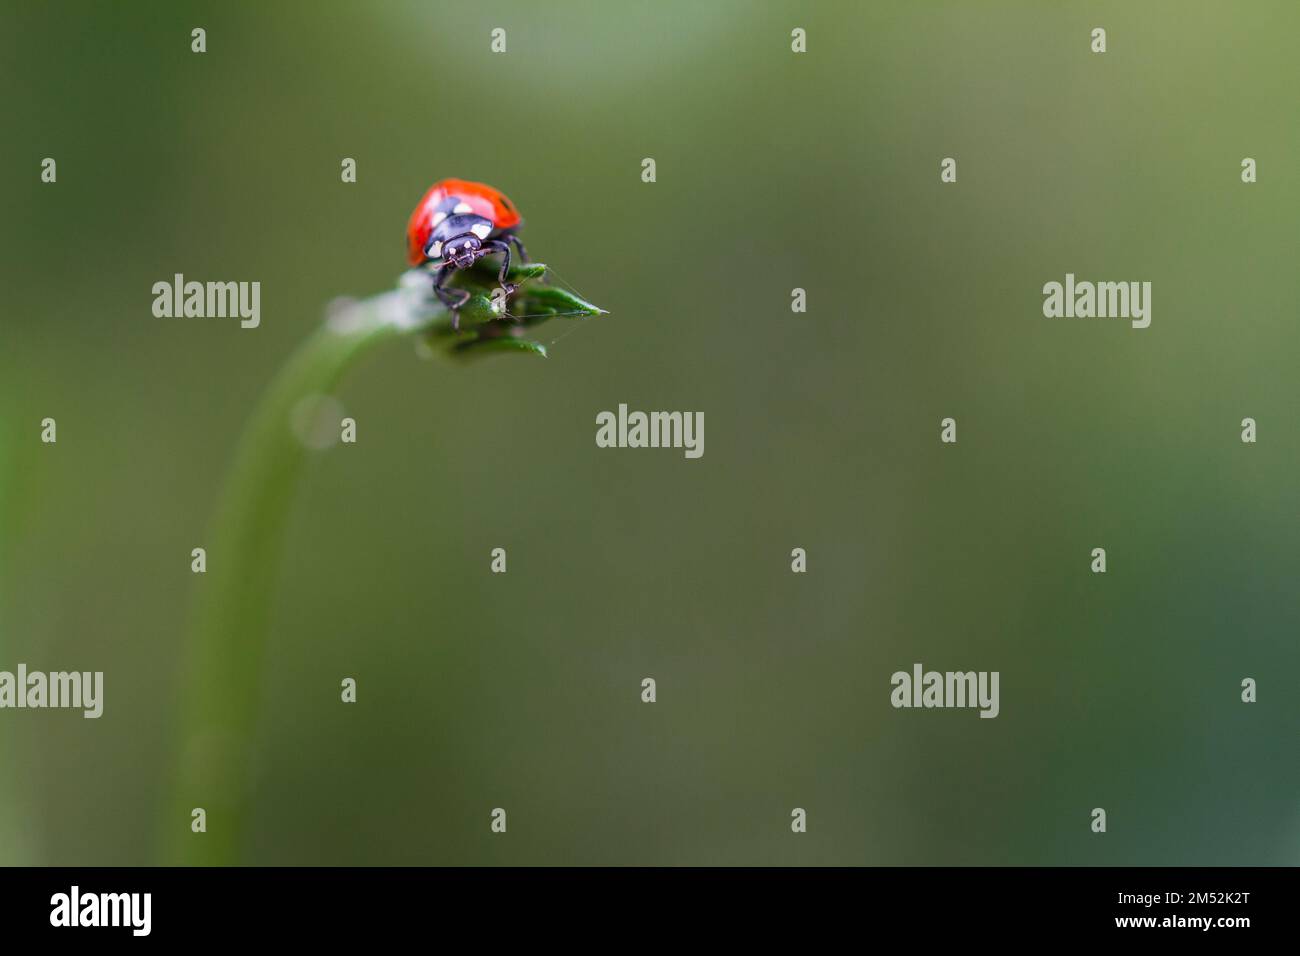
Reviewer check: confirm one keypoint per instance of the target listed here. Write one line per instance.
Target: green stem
(222, 687)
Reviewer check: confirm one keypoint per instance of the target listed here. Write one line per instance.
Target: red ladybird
(456, 224)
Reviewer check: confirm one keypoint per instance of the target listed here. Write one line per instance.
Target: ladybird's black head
(457, 240)
(461, 251)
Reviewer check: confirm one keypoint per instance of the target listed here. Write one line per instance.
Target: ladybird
(456, 224)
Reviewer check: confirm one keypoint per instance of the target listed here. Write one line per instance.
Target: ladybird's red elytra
(456, 224)
(483, 201)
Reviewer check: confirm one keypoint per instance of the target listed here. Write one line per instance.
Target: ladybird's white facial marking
(481, 230)
(438, 217)
(462, 208)
(435, 250)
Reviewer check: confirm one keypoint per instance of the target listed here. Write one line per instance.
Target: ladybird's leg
(492, 247)
(453, 299)
(523, 253)
(519, 246)
(496, 245)
(444, 295)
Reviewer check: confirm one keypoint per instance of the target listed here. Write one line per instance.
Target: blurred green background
(775, 170)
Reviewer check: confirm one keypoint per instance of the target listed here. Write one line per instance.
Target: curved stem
(222, 686)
